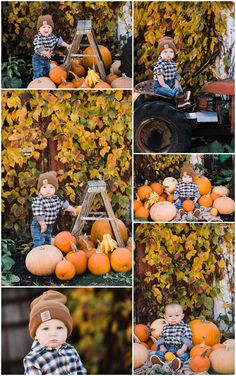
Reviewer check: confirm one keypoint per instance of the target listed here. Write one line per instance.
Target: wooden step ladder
(84, 27)
(96, 187)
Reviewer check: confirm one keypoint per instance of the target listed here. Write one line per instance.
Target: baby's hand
(176, 85)
(163, 349)
(180, 352)
(74, 211)
(43, 227)
(166, 86)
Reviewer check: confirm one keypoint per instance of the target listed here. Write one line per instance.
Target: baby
(46, 207)
(186, 190)
(50, 324)
(176, 337)
(44, 44)
(166, 78)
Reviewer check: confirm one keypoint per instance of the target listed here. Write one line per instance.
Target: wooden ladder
(94, 187)
(84, 27)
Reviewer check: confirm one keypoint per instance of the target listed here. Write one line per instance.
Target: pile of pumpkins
(155, 201)
(207, 351)
(98, 253)
(82, 68)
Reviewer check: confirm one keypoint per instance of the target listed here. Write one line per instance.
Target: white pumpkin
(157, 325)
(43, 260)
(224, 205)
(163, 211)
(123, 82)
(221, 190)
(169, 184)
(229, 343)
(222, 361)
(140, 355)
(41, 83)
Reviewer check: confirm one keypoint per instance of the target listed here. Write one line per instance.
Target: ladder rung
(95, 218)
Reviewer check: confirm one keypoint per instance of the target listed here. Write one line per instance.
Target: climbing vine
(183, 263)
(81, 135)
(198, 29)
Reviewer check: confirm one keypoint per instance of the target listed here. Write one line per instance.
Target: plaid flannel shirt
(50, 361)
(167, 69)
(176, 335)
(184, 190)
(47, 208)
(46, 43)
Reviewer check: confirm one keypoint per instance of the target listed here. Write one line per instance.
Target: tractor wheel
(161, 128)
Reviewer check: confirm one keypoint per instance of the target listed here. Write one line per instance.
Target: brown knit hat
(165, 42)
(49, 177)
(49, 305)
(46, 19)
(188, 169)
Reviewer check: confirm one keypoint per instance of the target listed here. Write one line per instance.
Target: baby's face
(47, 190)
(52, 333)
(167, 54)
(174, 315)
(187, 178)
(45, 29)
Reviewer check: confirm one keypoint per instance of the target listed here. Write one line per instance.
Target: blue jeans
(172, 93)
(172, 348)
(40, 238)
(41, 66)
(178, 204)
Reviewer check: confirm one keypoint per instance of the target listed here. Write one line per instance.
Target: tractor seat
(145, 87)
(224, 87)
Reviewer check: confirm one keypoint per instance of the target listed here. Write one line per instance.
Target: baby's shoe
(196, 213)
(181, 212)
(175, 364)
(154, 359)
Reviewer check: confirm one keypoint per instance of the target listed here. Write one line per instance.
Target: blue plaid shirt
(176, 335)
(50, 361)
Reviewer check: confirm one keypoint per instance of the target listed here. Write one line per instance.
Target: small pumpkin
(144, 191)
(137, 204)
(224, 205)
(203, 183)
(214, 195)
(140, 355)
(99, 263)
(41, 83)
(221, 190)
(188, 205)
(111, 76)
(163, 211)
(90, 61)
(63, 241)
(65, 270)
(121, 260)
(85, 243)
(202, 328)
(169, 184)
(222, 361)
(122, 82)
(78, 258)
(200, 363)
(200, 349)
(214, 212)
(42, 260)
(157, 187)
(66, 84)
(57, 74)
(77, 67)
(169, 356)
(170, 198)
(142, 212)
(157, 327)
(142, 332)
(102, 85)
(205, 201)
(79, 82)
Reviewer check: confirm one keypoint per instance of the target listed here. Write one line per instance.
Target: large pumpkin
(121, 260)
(203, 328)
(221, 190)
(41, 83)
(99, 263)
(140, 355)
(42, 260)
(169, 184)
(229, 343)
(204, 184)
(99, 228)
(222, 361)
(63, 241)
(157, 326)
(224, 205)
(89, 61)
(57, 74)
(163, 211)
(142, 332)
(123, 82)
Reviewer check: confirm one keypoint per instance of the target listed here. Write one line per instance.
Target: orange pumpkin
(66, 85)
(157, 187)
(170, 198)
(204, 184)
(111, 76)
(200, 363)
(142, 212)
(56, 74)
(85, 243)
(79, 259)
(102, 85)
(144, 191)
(142, 332)
(99, 228)
(200, 349)
(137, 204)
(162, 198)
(79, 82)
(121, 260)
(63, 241)
(214, 195)
(188, 205)
(89, 61)
(65, 270)
(99, 263)
(77, 67)
(206, 201)
(202, 328)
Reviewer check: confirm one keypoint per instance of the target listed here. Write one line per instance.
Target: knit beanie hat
(50, 305)
(188, 169)
(48, 178)
(46, 19)
(165, 42)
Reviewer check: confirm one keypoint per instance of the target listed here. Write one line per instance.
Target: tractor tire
(160, 127)
(126, 58)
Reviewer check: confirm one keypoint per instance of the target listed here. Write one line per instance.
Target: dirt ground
(87, 279)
